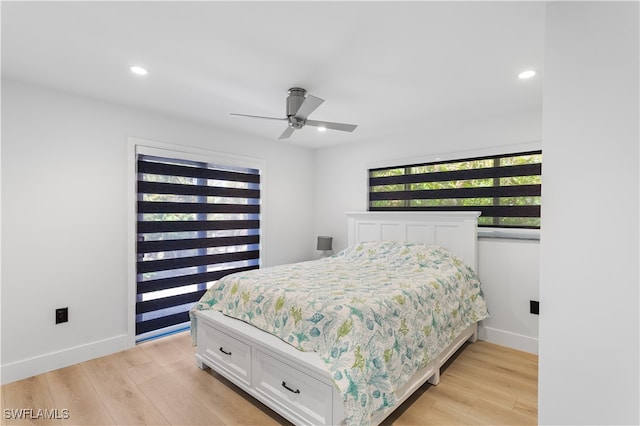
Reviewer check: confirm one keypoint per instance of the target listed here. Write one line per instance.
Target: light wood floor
(158, 383)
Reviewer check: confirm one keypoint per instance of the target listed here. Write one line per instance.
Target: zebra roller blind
(505, 188)
(196, 222)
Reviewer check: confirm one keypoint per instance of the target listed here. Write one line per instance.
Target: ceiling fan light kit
(299, 106)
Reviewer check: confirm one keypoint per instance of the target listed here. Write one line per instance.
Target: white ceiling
(386, 66)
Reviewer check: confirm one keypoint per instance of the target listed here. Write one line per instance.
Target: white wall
(509, 269)
(510, 275)
(589, 325)
(64, 218)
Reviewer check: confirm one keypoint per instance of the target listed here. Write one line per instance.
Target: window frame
(454, 156)
(137, 146)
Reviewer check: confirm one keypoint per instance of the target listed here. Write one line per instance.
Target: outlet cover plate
(62, 315)
(534, 307)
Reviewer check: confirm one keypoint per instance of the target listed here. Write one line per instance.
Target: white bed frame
(294, 383)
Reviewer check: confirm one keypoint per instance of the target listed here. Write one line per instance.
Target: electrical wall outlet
(62, 315)
(534, 307)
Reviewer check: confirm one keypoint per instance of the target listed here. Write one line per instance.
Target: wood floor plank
(461, 381)
(495, 414)
(403, 416)
(519, 366)
(132, 358)
(163, 352)
(183, 342)
(25, 398)
(527, 407)
(176, 403)
(72, 390)
(127, 404)
(436, 415)
(458, 399)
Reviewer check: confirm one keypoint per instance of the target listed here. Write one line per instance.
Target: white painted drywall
(509, 269)
(589, 325)
(510, 275)
(64, 218)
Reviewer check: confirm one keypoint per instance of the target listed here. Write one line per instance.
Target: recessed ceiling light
(526, 74)
(322, 129)
(138, 70)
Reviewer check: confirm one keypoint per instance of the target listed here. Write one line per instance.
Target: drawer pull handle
(284, 385)
(224, 352)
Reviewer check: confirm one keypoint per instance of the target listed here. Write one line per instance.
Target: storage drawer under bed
(227, 353)
(305, 397)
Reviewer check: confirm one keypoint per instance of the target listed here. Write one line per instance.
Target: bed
(352, 336)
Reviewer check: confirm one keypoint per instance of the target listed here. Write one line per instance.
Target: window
(196, 222)
(505, 188)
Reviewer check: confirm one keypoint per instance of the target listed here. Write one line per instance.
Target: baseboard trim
(509, 339)
(23, 369)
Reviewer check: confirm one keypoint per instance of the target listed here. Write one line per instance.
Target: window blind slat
(459, 175)
(158, 168)
(482, 192)
(487, 211)
(196, 243)
(182, 280)
(202, 191)
(196, 225)
(166, 207)
(191, 261)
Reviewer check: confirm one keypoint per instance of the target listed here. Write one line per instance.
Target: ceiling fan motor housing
(295, 100)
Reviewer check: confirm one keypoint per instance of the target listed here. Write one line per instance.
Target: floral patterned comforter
(375, 313)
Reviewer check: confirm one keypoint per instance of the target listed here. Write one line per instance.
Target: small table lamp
(324, 245)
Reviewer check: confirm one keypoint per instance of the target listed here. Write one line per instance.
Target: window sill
(517, 234)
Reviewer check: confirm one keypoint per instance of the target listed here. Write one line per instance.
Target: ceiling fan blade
(258, 116)
(330, 125)
(308, 106)
(287, 132)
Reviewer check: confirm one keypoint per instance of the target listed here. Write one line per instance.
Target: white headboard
(455, 231)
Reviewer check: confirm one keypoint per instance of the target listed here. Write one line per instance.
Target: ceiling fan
(299, 106)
